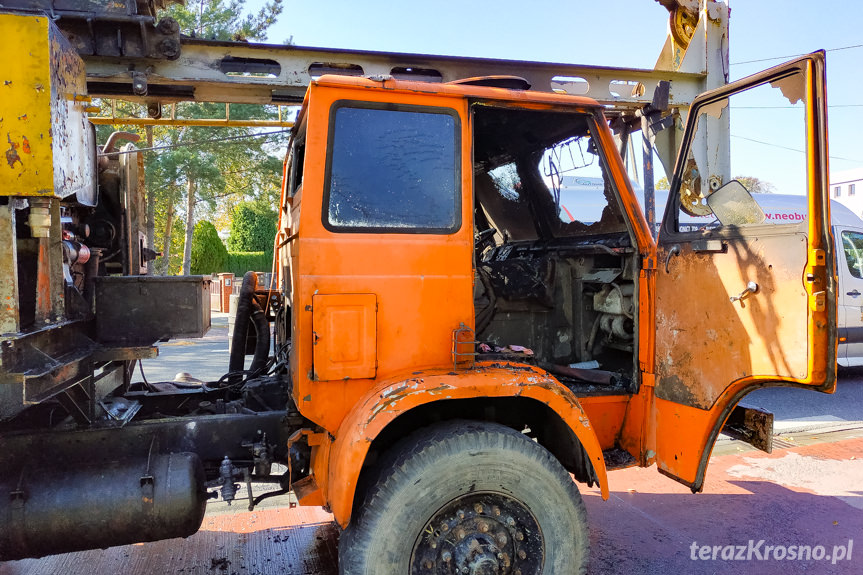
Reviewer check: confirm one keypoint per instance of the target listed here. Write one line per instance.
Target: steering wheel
(480, 238)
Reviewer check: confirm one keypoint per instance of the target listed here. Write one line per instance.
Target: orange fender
(393, 398)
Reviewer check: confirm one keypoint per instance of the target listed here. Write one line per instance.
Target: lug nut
(477, 507)
(522, 554)
(446, 556)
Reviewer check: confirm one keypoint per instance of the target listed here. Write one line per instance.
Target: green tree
(755, 185)
(221, 20)
(209, 254)
(187, 180)
(253, 228)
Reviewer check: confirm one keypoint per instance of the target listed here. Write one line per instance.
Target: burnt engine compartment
(555, 267)
(570, 307)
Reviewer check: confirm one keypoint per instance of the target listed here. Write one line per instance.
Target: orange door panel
(742, 301)
(387, 210)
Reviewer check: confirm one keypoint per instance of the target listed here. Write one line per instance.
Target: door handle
(751, 287)
(853, 293)
(674, 251)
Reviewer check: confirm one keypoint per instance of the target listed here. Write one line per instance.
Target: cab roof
(452, 90)
(458, 90)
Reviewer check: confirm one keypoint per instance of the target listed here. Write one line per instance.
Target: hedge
(253, 227)
(241, 262)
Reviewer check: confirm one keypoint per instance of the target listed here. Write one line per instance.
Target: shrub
(209, 254)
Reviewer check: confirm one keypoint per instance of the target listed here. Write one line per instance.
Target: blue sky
(628, 33)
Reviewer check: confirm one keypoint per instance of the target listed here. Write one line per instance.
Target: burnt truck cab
(453, 341)
(434, 274)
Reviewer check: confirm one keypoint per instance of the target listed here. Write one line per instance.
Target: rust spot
(672, 388)
(12, 153)
(391, 398)
(25, 145)
(23, 117)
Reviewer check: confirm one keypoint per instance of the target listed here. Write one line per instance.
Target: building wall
(846, 187)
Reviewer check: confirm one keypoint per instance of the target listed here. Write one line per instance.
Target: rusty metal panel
(9, 313)
(213, 70)
(752, 425)
(144, 309)
(345, 336)
(705, 341)
(47, 141)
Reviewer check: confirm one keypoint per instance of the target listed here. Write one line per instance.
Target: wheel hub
(480, 534)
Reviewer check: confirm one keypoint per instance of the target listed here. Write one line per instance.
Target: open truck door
(744, 300)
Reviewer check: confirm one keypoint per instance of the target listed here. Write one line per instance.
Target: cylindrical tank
(47, 510)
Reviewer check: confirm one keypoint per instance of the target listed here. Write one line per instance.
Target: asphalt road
(805, 497)
(205, 358)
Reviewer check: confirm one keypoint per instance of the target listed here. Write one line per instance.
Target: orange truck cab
(460, 345)
(459, 341)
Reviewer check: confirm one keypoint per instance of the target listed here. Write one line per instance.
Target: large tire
(468, 495)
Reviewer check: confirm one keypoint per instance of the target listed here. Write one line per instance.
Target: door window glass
(761, 177)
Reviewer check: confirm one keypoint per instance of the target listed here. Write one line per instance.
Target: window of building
(837, 191)
(393, 170)
(851, 189)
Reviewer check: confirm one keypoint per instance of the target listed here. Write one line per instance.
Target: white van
(584, 196)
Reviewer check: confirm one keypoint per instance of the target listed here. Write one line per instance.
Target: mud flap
(751, 425)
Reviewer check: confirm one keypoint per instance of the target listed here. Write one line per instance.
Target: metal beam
(216, 71)
(202, 122)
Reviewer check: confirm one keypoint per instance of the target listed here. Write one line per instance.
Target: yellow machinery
(48, 156)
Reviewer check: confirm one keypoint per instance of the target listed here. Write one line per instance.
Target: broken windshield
(539, 174)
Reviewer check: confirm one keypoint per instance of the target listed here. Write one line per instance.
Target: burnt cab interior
(555, 264)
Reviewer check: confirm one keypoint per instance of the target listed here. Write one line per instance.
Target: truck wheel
(471, 498)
